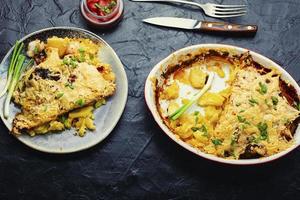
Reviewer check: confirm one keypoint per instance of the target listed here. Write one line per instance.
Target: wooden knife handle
(222, 27)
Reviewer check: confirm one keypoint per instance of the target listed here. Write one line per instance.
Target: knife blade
(205, 26)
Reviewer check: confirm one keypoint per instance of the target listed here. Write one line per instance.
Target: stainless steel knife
(191, 24)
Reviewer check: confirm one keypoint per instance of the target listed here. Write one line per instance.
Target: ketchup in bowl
(102, 13)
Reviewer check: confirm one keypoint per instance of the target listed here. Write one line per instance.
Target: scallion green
(16, 52)
(183, 108)
(16, 74)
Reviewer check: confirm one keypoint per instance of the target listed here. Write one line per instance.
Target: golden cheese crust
(55, 87)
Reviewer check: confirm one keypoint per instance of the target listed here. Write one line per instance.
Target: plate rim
(114, 123)
(170, 134)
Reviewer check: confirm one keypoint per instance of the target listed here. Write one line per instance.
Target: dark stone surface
(138, 161)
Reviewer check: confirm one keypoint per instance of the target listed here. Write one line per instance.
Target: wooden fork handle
(223, 27)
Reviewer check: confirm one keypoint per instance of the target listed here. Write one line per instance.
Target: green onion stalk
(19, 68)
(14, 82)
(186, 106)
(16, 52)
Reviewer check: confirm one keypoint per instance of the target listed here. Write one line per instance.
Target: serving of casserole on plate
(77, 86)
(250, 113)
(67, 83)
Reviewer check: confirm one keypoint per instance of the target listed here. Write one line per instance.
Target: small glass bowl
(106, 21)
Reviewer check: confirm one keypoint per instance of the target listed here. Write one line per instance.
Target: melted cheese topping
(248, 109)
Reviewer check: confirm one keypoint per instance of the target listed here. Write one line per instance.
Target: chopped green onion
(263, 88)
(253, 101)
(251, 139)
(82, 58)
(80, 102)
(242, 119)
(62, 119)
(66, 61)
(216, 142)
(70, 85)
(73, 64)
(91, 56)
(298, 105)
(243, 126)
(74, 59)
(59, 95)
(262, 127)
(36, 50)
(81, 50)
(274, 100)
(196, 113)
(112, 4)
(97, 5)
(202, 129)
(99, 103)
(106, 9)
(194, 129)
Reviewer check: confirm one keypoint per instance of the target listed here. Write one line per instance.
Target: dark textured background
(138, 161)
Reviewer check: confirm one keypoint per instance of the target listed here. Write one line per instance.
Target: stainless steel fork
(210, 9)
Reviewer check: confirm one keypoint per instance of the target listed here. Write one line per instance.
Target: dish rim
(171, 135)
(114, 123)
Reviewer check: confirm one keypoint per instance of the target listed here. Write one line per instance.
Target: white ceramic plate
(106, 117)
(171, 59)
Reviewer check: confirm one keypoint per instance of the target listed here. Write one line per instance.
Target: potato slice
(212, 114)
(211, 99)
(184, 131)
(82, 112)
(60, 43)
(182, 76)
(197, 77)
(171, 92)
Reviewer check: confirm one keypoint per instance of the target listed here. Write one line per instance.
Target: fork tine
(226, 16)
(229, 9)
(229, 6)
(230, 12)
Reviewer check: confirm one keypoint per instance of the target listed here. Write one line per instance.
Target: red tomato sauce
(102, 7)
(102, 13)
